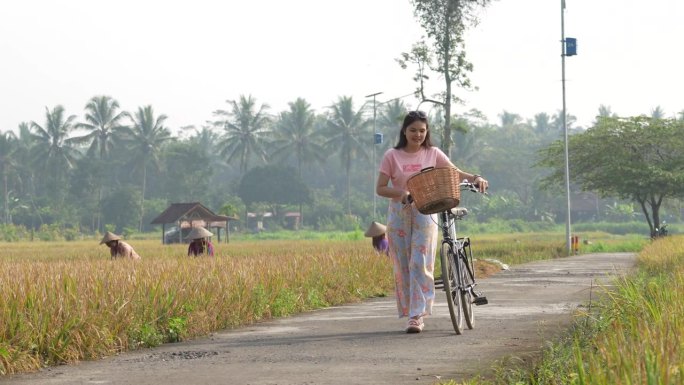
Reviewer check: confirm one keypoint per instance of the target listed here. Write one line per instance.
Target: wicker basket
(435, 189)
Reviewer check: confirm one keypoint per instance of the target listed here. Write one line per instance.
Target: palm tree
(605, 111)
(389, 121)
(296, 135)
(204, 139)
(542, 123)
(658, 113)
(147, 134)
(509, 120)
(26, 173)
(348, 133)
(246, 128)
(103, 121)
(53, 150)
(557, 120)
(7, 163)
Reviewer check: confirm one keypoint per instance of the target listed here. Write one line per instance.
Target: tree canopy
(636, 158)
(445, 22)
(273, 184)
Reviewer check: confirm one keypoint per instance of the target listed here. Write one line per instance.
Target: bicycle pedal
(481, 300)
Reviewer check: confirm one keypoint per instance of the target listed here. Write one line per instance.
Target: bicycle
(458, 274)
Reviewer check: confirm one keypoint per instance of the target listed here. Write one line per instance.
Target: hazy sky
(187, 58)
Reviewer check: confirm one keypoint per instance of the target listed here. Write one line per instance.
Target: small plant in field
(285, 303)
(177, 328)
(315, 299)
(260, 301)
(147, 336)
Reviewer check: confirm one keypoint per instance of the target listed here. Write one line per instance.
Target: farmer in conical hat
(377, 232)
(117, 247)
(200, 242)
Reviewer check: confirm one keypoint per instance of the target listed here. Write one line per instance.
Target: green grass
(632, 336)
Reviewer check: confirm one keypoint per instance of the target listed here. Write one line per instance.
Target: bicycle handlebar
(474, 187)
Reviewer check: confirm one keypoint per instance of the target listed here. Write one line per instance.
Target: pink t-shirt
(400, 165)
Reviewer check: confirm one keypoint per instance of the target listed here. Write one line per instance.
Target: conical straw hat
(375, 229)
(199, 232)
(109, 236)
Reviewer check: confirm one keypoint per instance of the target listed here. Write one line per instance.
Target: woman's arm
(473, 178)
(481, 182)
(383, 189)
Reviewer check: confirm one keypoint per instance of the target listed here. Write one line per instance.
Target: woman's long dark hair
(411, 117)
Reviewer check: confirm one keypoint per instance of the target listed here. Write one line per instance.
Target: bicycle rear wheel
(450, 281)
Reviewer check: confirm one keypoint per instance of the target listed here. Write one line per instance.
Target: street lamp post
(374, 168)
(566, 52)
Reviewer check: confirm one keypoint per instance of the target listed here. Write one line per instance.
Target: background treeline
(105, 168)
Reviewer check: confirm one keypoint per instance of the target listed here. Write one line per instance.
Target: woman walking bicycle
(412, 236)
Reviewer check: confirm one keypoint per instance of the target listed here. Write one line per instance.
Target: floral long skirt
(412, 240)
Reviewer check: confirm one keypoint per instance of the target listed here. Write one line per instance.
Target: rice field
(66, 302)
(63, 302)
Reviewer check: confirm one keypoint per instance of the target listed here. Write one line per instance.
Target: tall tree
(348, 130)
(295, 134)
(147, 135)
(245, 130)
(103, 121)
(54, 151)
(637, 158)
(445, 22)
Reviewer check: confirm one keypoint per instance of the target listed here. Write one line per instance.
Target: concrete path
(365, 343)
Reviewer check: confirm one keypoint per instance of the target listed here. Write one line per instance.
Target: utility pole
(568, 48)
(374, 143)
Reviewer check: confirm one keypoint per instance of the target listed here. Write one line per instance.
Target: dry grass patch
(65, 302)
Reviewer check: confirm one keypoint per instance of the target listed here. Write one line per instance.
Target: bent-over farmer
(117, 247)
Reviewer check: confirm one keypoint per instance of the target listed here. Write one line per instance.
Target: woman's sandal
(415, 325)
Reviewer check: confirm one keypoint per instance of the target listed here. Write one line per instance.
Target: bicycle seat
(459, 212)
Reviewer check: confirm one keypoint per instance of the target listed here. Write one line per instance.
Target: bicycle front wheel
(448, 259)
(466, 293)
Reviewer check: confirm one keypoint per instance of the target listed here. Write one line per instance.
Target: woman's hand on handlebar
(406, 197)
(481, 183)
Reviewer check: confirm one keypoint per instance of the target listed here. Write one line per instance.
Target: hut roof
(189, 211)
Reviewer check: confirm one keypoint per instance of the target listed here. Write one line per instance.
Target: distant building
(184, 216)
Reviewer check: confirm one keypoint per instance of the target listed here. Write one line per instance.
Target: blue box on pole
(378, 138)
(570, 46)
